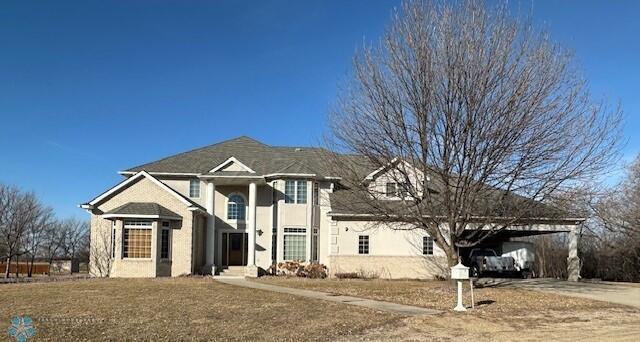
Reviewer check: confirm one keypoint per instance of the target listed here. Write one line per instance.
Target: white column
(210, 267)
(251, 226)
(460, 306)
(573, 261)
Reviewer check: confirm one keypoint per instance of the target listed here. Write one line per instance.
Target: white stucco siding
(392, 253)
(263, 226)
(383, 240)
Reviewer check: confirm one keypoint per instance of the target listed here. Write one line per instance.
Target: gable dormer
(391, 181)
(232, 165)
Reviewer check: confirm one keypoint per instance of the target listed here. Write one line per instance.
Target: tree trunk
(7, 266)
(17, 266)
(542, 261)
(452, 256)
(30, 272)
(72, 257)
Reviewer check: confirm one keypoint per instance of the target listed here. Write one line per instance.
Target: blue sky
(88, 88)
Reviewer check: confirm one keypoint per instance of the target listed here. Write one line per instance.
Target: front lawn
(501, 314)
(177, 309)
(441, 295)
(200, 308)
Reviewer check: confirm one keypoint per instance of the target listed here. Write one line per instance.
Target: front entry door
(236, 249)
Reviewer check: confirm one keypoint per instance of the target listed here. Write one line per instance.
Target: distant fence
(23, 267)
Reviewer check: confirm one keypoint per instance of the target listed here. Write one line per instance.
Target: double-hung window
(363, 244)
(194, 188)
(396, 189)
(427, 245)
(137, 239)
(392, 189)
(295, 244)
(295, 191)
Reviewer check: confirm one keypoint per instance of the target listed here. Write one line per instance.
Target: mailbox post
(459, 272)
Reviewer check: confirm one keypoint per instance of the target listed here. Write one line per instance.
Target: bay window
(137, 239)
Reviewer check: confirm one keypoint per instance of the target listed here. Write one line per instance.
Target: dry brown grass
(202, 309)
(441, 295)
(178, 309)
(503, 314)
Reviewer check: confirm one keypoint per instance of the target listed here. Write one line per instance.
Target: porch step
(237, 271)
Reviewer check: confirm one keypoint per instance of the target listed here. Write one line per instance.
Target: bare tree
(18, 213)
(53, 242)
(613, 247)
(43, 219)
(76, 233)
(101, 254)
(479, 117)
(9, 198)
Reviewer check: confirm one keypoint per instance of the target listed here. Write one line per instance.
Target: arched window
(235, 207)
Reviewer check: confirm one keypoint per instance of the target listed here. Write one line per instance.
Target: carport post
(573, 261)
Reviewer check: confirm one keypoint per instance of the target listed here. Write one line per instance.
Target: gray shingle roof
(142, 208)
(261, 158)
(265, 160)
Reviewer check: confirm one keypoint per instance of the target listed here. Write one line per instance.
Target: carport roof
(351, 204)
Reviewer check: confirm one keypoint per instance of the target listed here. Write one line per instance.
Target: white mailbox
(460, 272)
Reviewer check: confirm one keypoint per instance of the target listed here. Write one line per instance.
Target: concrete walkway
(619, 293)
(369, 303)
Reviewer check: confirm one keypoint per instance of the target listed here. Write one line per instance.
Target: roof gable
(125, 183)
(232, 164)
(393, 164)
(241, 154)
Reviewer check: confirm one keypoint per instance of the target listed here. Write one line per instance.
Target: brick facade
(181, 236)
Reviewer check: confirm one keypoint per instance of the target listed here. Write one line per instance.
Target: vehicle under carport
(517, 233)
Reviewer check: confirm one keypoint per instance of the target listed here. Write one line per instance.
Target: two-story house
(241, 204)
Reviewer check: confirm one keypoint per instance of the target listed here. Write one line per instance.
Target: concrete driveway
(620, 293)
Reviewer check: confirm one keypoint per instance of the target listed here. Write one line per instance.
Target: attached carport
(570, 227)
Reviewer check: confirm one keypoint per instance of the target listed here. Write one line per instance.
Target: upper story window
(236, 207)
(295, 191)
(316, 193)
(395, 189)
(392, 189)
(194, 188)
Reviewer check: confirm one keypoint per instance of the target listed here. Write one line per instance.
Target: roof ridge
(198, 149)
